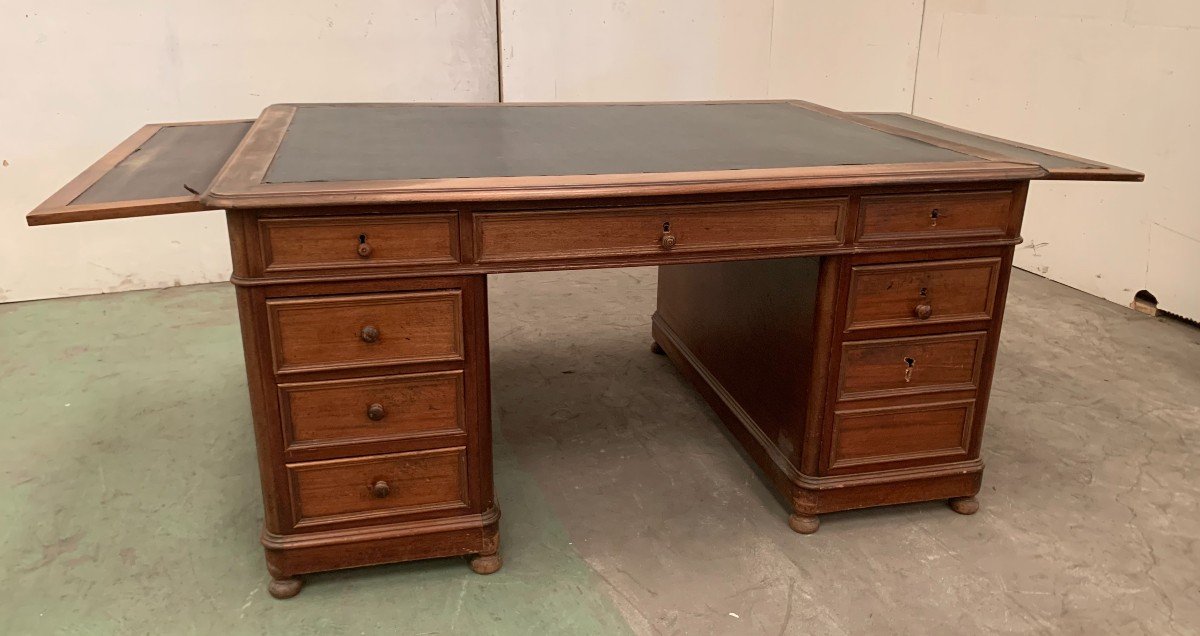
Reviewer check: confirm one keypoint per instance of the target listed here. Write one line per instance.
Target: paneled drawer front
(358, 241)
(317, 414)
(520, 236)
(902, 294)
(935, 432)
(365, 330)
(915, 217)
(381, 485)
(900, 366)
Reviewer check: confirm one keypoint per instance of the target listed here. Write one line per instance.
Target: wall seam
(499, 54)
(912, 105)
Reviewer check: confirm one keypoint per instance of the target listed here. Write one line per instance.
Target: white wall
(849, 54)
(1116, 80)
(1113, 80)
(79, 76)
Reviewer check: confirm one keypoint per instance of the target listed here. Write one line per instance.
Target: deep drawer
(921, 217)
(365, 330)
(646, 231)
(382, 485)
(392, 408)
(901, 366)
(920, 433)
(902, 294)
(358, 241)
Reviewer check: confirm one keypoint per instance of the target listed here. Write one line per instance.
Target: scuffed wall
(79, 77)
(1113, 80)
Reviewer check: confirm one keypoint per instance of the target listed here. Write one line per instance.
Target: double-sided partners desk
(831, 283)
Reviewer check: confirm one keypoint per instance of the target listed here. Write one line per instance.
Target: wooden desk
(832, 284)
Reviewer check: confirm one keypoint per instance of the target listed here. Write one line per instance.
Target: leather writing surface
(174, 157)
(1047, 161)
(401, 142)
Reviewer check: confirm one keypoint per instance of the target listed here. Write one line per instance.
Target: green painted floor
(130, 500)
(131, 495)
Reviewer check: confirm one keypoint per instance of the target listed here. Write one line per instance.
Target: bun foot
(964, 505)
(804, 524)
(285, 588)
(486, 563)
(657, 349)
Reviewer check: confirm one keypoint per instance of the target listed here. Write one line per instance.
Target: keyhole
(933, 216)
(666, 227)
(362, 238)
(909, 370)
(924, 292)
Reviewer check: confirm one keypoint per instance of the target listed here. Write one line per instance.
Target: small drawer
(366, 330)
(921, 433)
(393, 408)
(903, 294)
(917, 217)
(382, 485)
(901, 366)
(290, 244)
(659, 230)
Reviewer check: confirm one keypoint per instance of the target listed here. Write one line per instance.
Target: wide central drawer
(389, 408)
(900, 366)
(657, 230)
(381, 485)
(365, 330)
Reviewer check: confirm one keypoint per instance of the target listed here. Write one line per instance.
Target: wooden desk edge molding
(832, 284)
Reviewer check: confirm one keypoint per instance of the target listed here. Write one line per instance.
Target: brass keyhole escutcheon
(934, 215)
(364, 248)
(668, 240)
(908, 370)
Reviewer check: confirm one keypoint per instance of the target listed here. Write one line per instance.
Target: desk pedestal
(843, 401)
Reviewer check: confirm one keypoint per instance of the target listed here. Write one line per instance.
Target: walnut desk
(831, 283)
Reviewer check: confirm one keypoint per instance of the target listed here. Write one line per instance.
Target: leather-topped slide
(1058, 165)
(160, 169)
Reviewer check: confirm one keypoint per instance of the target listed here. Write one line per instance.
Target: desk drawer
(358, 241)
(918, 217)
(365, 330)
(653, 231)
(922, 433)
(901, 366)
(381, 485)
(392, 408)
(902, 294)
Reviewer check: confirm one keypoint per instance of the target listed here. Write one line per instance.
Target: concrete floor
(131, 503)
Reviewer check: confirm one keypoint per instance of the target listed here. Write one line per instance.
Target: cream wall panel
(1117, 86)
(625, 50)
(81, 76)
(851, 55)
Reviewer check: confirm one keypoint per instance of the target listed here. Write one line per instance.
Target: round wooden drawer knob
(668, 241)
(380, 489)
(369, 334)
(923, 311)
(364, 249)
(375, 412)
